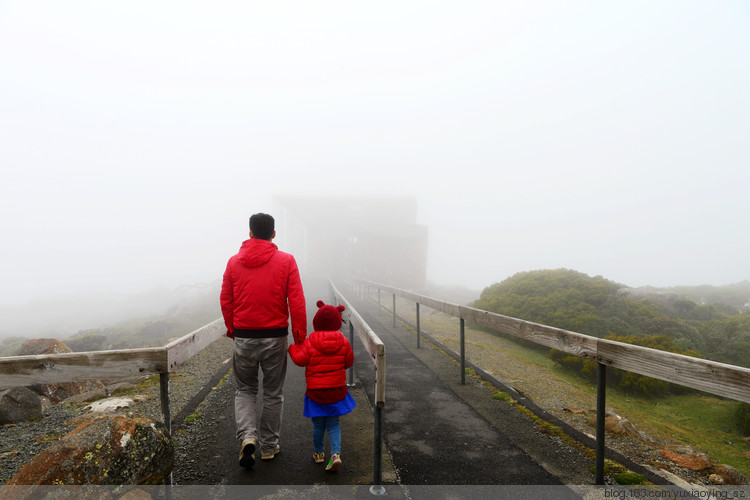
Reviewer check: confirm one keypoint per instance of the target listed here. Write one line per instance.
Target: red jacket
(326, 355)
(261, 288)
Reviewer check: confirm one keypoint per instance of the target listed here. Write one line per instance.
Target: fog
(136, 138)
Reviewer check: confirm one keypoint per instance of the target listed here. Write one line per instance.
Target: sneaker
(319, 457)
(271, 455)
(247, 452)
(334, 463)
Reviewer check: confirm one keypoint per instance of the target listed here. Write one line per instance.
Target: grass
(192, 418)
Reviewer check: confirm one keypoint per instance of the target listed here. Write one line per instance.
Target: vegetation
(595, 306)
(659, 319)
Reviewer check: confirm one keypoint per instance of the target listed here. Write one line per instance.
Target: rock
(695, 461)
(56, 392)
(34, 347)
(119, 385)
(615, 424)
(61, 391)
(716, 479)
(109, 404)
(107, 450)
(574, 410)
(19, 404)
(729, 474)
(85, 397)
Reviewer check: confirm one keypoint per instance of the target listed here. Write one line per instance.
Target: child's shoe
(334, 463)
(319, 457)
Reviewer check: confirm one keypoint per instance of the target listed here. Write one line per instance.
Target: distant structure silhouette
(375, 238)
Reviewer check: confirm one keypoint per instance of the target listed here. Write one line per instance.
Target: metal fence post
(394, 310)
(418, 330)
(463, 354)
(351, 342)
(377, 487)
(601, 382)
(167, 417)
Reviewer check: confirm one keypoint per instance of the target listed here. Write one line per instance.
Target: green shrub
(630, 477)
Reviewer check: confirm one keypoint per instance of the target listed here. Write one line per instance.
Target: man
(261, 287)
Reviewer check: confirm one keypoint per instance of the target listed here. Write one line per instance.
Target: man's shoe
(319, 458)
(271, 455)
(247, 452)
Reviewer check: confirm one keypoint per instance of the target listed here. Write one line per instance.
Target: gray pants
(270, 355)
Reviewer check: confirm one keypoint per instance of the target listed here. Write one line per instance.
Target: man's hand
(230, 334)
(299, 338)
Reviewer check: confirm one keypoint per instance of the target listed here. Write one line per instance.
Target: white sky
(608, 137)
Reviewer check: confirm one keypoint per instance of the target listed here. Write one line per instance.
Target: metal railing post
(418, 330)
(394, 310)
(463, 354)
(601, 382)
(167, 417)
(351, 343)
(377, 487)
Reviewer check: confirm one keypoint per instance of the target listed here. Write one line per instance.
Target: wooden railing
(18, 371)
(376, 352)
(708, 376)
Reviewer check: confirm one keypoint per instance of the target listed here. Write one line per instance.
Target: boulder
(615, 424)
(61, 391)
(693, 461)
(19, 404)
(56, 392)
(729, 474)
(86, 397)
(105, 450)
(35, 347)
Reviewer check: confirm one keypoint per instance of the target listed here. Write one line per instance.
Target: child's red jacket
(326, 356)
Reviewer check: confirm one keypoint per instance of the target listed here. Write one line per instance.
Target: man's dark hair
(262, 226)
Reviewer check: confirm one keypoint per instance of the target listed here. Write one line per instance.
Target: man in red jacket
(261, 289)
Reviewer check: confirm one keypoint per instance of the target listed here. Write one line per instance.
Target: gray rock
(19, 404)
(87, 396)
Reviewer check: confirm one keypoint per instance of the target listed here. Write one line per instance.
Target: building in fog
(372, 238)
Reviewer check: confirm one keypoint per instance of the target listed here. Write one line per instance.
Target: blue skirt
(313, 409)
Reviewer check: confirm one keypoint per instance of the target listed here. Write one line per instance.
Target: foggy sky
(608, 137)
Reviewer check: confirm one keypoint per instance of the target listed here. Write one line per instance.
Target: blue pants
(320, 425)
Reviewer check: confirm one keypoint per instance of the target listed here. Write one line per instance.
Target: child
(326, 354)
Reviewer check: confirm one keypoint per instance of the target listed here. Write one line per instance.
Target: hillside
(169, 315)
(596, 306)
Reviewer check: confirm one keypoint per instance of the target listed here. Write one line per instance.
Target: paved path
(437, 432)
(434, 435)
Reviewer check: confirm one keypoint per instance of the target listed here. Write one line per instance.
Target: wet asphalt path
(432, 434)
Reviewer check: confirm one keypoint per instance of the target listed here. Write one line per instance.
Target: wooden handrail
(709, 376)
(374, 346)
(16, 371)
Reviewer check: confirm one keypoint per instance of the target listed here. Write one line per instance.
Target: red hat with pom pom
(328, 318)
